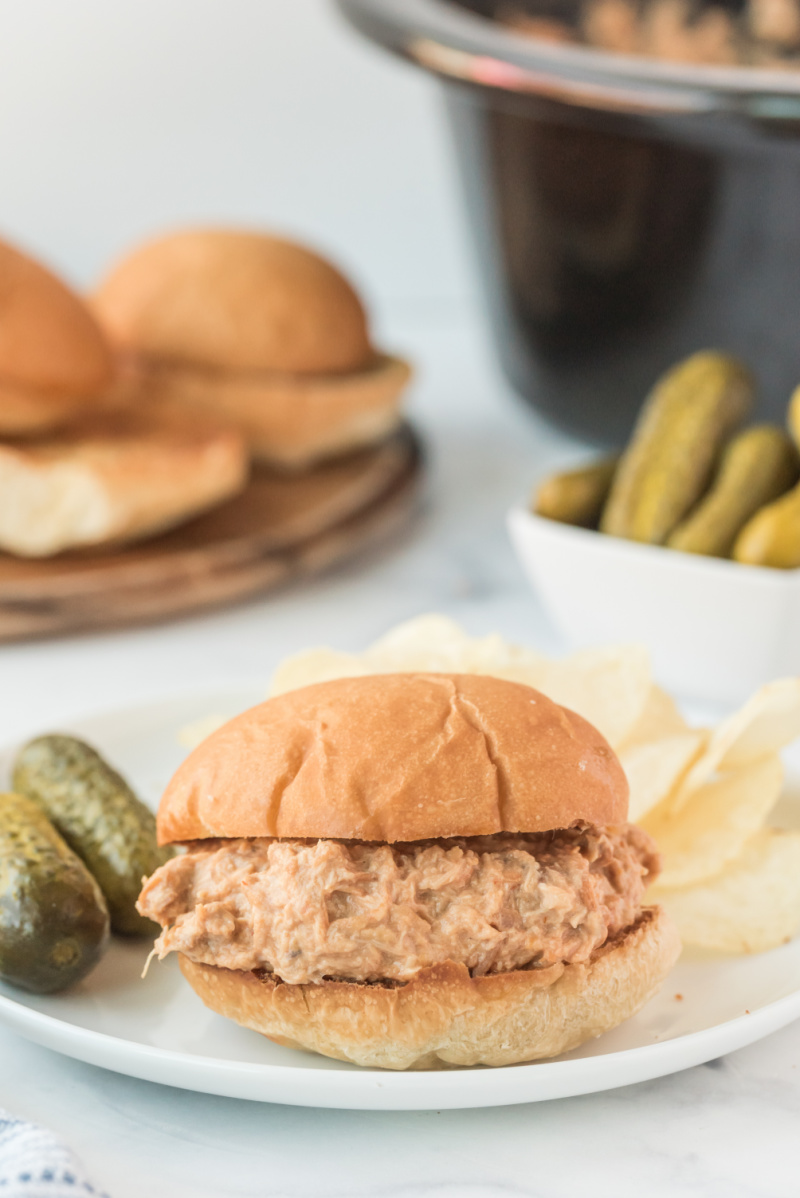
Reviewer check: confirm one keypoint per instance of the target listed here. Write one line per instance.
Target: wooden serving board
(283, 526)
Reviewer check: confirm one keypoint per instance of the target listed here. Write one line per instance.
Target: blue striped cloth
(34, 1164)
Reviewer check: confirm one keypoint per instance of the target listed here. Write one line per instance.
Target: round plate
(282, 526)
(159, 1030)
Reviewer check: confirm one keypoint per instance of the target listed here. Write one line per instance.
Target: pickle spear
(576, 496)
(756, 467)
(793, 417)
(772, 536)
(100, 818)
(53, 917)
(689, 415)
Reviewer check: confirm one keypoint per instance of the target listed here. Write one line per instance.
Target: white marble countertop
(726, 1129)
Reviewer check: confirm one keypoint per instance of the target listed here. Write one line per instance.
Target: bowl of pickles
(687, 540)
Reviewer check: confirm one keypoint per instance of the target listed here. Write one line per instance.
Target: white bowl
(716, 630)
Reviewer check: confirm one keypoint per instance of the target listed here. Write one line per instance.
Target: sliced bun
(396, 757)
(234, 300)
(117, 477)
(290, 420)
(445, 1017)
(54, 358)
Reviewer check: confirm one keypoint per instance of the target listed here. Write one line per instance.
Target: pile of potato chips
(729, 881)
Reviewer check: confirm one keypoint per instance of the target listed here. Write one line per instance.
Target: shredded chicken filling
(311, 910)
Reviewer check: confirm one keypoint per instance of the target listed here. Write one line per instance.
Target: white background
(120, 118)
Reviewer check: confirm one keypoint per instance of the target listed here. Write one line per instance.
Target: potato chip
(660, 718)
(715, 823)
(608, 687)
(769, 721)
(751, 906)
(654, 769)
(436, 643)
(315, 665)
(191, 735)
(432, 640)
(429, 643)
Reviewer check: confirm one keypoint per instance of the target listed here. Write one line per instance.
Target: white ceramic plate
(159, 1030)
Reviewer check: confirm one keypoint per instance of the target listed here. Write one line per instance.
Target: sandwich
(54, 357)
(410, 871)
(259, 331)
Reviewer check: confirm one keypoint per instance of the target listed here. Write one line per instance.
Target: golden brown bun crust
(24, 411)
(290, 420)
(54, 358)
(396, 757)
(234, 300)
(444, 1016)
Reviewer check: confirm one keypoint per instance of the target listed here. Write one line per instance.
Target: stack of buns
(80, 466)
(257, 330)
(132, 412)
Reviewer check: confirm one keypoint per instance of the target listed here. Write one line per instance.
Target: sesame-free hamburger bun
(397, 757)
(259, 330)
(54, 357)
(410, 871)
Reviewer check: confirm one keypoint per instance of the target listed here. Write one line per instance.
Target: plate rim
(358, 1088)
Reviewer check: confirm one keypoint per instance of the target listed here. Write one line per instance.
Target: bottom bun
(114, 477)
(25, 411)
(444, 1017)
(291, 421)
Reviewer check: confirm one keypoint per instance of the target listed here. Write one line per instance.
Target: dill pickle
(576, 496)
(772, 536)
(53, 918)
(793, 416)
(756, 467)
(689, 415)
(100, 818)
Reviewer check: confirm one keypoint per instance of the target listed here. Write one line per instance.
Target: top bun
(54, 357)
(233, 300)
(396, 757)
